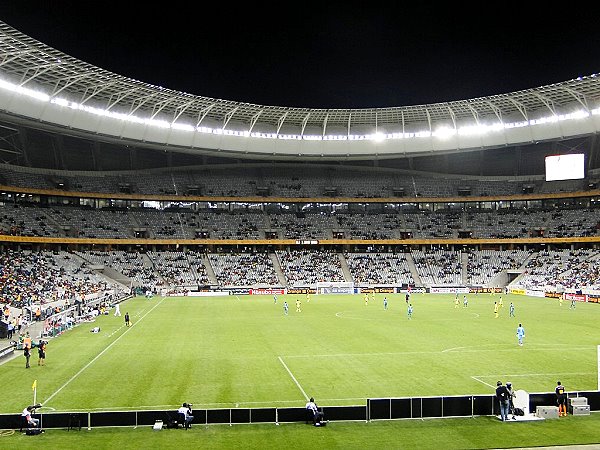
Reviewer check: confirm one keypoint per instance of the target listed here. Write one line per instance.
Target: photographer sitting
(186, 412)
(317, 416)
(31, 421)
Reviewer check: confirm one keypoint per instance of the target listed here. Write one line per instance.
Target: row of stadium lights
(441, 133)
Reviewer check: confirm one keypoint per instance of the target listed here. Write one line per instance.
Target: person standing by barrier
(561, 399)
(502, 395)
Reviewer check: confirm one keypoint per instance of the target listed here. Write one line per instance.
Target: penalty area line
(293, 377)
(98, 355)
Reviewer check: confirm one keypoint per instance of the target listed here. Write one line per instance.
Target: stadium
(200, 217)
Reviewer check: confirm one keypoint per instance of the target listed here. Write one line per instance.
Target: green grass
(242, 351)
(228, 351)
(450, 434)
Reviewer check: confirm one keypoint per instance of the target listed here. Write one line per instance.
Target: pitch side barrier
(584, 295)
(374, 409)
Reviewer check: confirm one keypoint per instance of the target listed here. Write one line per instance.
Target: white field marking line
(116, 331)
(504, 375)
(477, 378)
(98, 355)
(201, 405)
(293, 377)
(431, 352)
(531, 347)
(481, 381)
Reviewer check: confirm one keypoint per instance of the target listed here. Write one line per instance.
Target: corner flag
(34, 385)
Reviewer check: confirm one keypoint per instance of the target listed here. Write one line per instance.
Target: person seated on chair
(186, 411)
(31, 421)
(316, 414)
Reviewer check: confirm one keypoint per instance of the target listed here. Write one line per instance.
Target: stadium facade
(95, 159)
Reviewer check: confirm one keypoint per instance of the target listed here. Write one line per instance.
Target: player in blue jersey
(520, 334)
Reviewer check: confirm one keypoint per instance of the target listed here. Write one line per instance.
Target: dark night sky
(328, 55)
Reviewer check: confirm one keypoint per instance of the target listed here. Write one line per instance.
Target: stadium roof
(46, 86)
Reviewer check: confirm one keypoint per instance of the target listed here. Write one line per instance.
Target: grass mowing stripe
(293, 377)
(98, 355)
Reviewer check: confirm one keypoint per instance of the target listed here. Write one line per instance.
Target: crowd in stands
(28, 277)
(45, 277)
(280, 181)
(565, 269)
(186, 223)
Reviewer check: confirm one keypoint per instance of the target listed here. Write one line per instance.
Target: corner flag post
(34, 387)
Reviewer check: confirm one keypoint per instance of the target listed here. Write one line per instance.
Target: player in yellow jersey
(495, 310)
(298, 306)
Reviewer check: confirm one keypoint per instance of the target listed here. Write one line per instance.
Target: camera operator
(26, 414)
(317, 416)
(186, 411)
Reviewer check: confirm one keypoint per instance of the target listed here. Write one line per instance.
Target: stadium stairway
(413, 270)
(209, 270)
(464, 264)
(345, 268)
(277, 267)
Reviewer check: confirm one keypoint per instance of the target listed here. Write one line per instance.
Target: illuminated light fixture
(445, 132)
(377, 137)
(182, 126)
(441, 133)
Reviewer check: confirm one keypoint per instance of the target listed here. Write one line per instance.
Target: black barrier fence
(375, 409)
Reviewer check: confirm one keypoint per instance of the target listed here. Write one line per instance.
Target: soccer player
(560, 300)
(274, 298)
(456, 302)
(561, 399)
(407, 298)
(520, 334)
(384, 302)
(465, 301)
(409, 311)
(285, 308)
(500, 304)
(366, 299)
(307, 297)
(118, 310)
(511, 310)
(495, 310)
(127, 321)
(572, 304)
(298, 306)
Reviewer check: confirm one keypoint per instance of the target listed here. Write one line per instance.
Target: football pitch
(243, 351)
